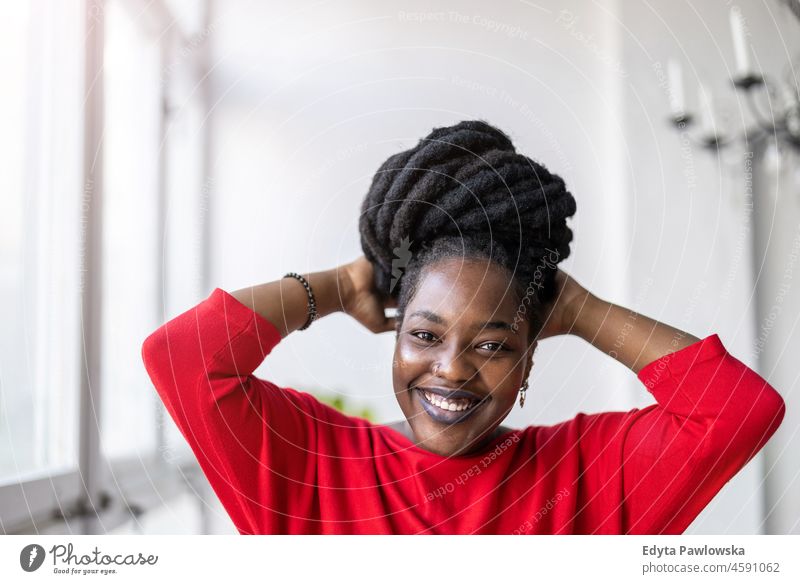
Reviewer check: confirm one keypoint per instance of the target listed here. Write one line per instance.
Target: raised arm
(631, 338)
(347, 288)
(254, 440)
(284, 302)
(668, 460)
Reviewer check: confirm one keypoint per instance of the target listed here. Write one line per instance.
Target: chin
(448, 440)
(445, 432)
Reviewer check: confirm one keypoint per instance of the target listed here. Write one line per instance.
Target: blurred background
(153, 150)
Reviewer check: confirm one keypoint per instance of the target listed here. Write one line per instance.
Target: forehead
(471, 288)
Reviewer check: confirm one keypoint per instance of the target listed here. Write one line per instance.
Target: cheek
(409, 364)
(404, 363)
(505, 378)
(405, 356)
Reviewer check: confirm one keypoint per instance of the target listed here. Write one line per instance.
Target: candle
(676, 100)
(706, 111)
(740, 47)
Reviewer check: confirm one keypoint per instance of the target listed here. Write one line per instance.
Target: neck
(404, 428)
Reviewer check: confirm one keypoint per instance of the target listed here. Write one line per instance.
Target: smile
(447, 411)
(452, 405)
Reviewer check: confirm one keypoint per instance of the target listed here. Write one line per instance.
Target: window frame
(80, 500)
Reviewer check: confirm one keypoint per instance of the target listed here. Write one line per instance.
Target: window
(40, 179)
(72, 334)
(131, 240)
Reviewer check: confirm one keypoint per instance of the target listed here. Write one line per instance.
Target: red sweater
(282, 462)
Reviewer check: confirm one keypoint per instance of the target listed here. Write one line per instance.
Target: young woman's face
(458, 333)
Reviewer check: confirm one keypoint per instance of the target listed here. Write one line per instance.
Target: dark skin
(456, 297)
(444, 327)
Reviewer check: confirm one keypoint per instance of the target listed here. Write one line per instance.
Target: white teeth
(456, 405)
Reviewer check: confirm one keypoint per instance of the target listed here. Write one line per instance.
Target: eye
(417, 333)
(492, 346)
(498, 346)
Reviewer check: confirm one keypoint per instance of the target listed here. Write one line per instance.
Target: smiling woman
(475, 218)
(462, 235)
(458, 364)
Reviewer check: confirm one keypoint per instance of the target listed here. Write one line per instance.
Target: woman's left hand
(563, 312)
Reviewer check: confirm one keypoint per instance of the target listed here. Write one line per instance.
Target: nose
(451, 363)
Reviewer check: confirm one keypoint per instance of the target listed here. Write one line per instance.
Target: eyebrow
(492, 324)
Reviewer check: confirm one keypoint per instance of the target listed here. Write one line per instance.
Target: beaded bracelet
(312, 304)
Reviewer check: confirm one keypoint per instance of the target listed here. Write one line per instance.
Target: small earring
(522, 391)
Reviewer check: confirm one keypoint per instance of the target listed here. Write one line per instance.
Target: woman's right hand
(361, 300)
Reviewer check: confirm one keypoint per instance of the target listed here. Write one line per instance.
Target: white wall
(695, 212)
(312, 97)
(777, 225)
(313, 101)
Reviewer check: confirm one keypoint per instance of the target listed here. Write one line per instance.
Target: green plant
(342, 404)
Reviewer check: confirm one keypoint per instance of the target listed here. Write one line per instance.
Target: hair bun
(464, 181)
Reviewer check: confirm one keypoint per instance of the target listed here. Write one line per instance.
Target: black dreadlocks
(463, 191)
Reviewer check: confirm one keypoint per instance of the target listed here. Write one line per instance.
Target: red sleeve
(244, 431)
(713, 415)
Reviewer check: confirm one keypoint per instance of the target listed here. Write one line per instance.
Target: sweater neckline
(411, 446)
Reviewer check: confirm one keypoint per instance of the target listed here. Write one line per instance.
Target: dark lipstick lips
(445, 416)
(452, 393)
